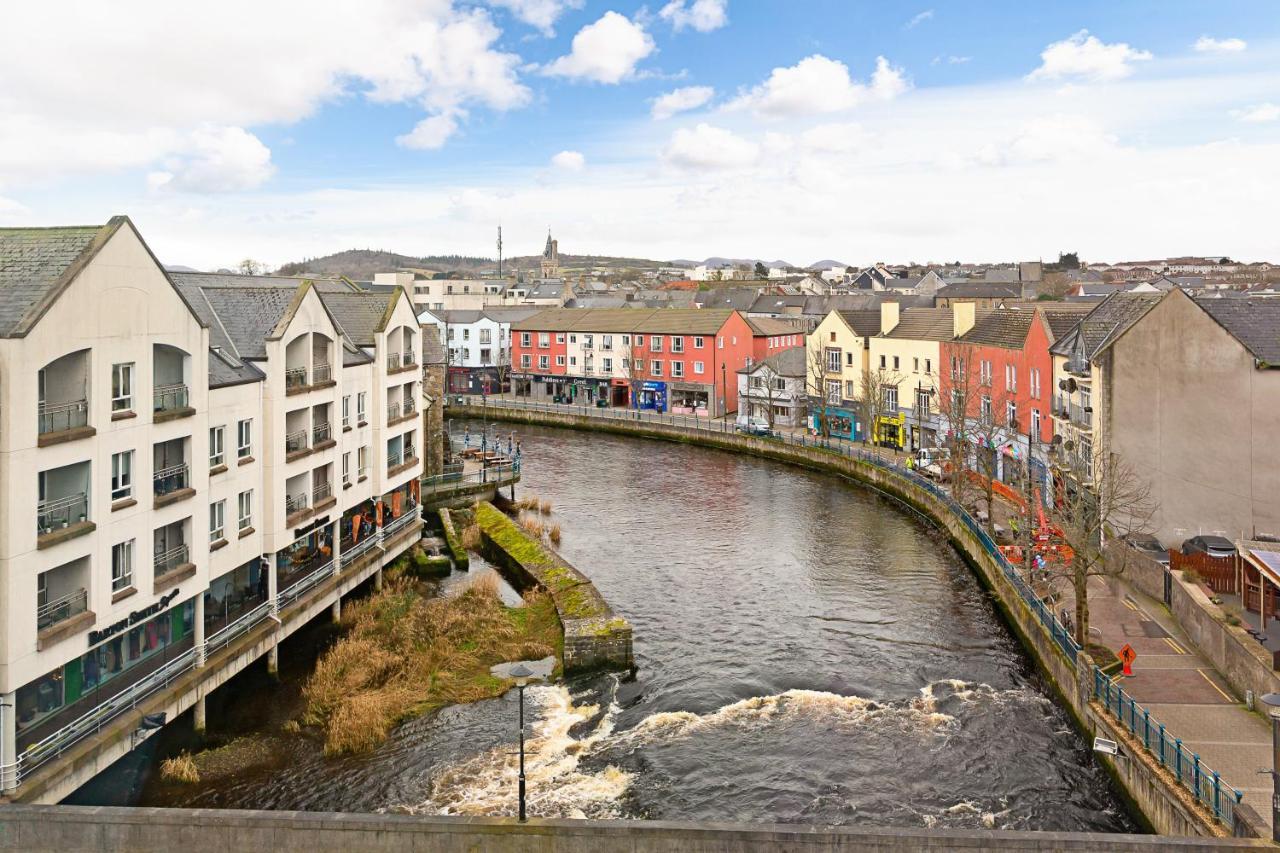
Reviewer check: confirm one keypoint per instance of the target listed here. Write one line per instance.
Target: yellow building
(837, 353)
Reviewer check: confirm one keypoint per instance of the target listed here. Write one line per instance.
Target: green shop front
(118, 657)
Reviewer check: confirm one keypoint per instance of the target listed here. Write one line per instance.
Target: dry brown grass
(180, 768)
(544, 507)
(471, 537)
(532, 526)
(405, 655)
(485, 584)
(554, 534)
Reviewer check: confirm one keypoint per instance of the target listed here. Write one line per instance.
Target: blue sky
(858, 130)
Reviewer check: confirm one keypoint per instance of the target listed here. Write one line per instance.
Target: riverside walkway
(1193, 702)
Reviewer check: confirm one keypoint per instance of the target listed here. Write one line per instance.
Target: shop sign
(133, 618)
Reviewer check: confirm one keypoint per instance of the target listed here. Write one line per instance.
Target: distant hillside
(362, 264)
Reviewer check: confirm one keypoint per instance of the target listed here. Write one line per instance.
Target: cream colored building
(267, 415)
(838, 352)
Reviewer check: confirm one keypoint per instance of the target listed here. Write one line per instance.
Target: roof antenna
(499, 250)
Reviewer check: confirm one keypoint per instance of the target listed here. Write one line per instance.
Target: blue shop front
(841, 422)
(652, 396)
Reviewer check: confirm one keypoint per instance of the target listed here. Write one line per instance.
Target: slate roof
(924, 324)
(1254, 322)
(35, 262)
(770, 326)
(789, 362)
(667, 321)
(1108, 318)
(1003, 327)
(864, 323)
(243, 317)
(360, 315)
(980, 290)
(1062, 317)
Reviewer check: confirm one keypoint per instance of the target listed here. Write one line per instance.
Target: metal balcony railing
(170, 479)
(1080, 417)
(167, 561)
(56, 417)
(165, 398)
(362, 472)
(294, 503)
(321, 373)
(393, 361)
(295, 441)
(320, 432)
(407, 359)
(394, 459)
(321, 492)
(62, 512)
(393, 411)
(295, 377)
(61, 609)
(408, 407)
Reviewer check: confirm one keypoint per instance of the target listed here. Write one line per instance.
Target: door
(1168, 587)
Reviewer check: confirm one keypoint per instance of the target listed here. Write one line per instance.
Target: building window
(244, 438)
(895, 362)
(639, 340)
(608, 365)
(883, 365)
(121, 475)
(1011, 414)
(361, 399)
(677, 343)
(525, 361)
(466, 334)
(984, 374)
(1034, 378)
(655, 367)
(1011, 377)
(833, 391)
(217, 520)
(891, 398)
(573, 361)
(362, 461)
(677, 369)
(848, 389)
(217, 454)
(346, 410)
(697, 342)
(544, 340)
(720, 342)
(655, 343)
(833, 360)
(606, 342)
(560, 337)
(697, 367)
(544, 362)
(524, 339)
(559, 361)
(122, 387)
(1035, 422)
(122, 566)
(928, 365)
(922, 402)
(639, 365)
(915, 365)
(346, 469)
(246, 510)
(986, 409)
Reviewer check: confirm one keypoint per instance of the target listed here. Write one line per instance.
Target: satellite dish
(1056, 440)
(1071, 385)
(1069, 446)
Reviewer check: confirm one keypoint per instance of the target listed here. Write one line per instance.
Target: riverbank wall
(1153, 793)
(74, 829)
(595, 637)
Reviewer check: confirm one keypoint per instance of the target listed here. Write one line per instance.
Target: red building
(1003, 369)
(772, 336)
(666, 359)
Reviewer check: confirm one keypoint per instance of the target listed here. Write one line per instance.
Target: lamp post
(724, 390)
(521, 674)
(1272, 701)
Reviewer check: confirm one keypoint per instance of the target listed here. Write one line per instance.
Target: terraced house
(838, 356)
(277, 421)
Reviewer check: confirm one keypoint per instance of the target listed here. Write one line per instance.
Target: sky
(781, 129)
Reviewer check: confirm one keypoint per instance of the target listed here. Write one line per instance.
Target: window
(779, 384)
(1085, 448)
(656, 367)
(883, 365)
(833, 337)
(833, 391)
(362, 461)
(1034, 379)
(451, 331)
(560, 337)
(346, 410)
(217, 454)
(122, 566)
(677, 369)
(608, 365)
(697, 367)
(986, 409)
(720, 342)
(639, 365)
(573, 360)
(486, 336)
(833, 360)
(915, 365)
(928, 365)
(544, 340)
(217, 520)
(677, 343)
(922, 402)
(984, 373)
(848, 389)
(246, 510)
(1011, 377)
(544, 362)
(526, 361)
(122, 387)
(639, 340)
(891, 398)
(244, 438)
(848, 359)
(346, 468)
(895, 362)
(626, 340)
(1011, 414)
(559, 361)
(121, 475)
(1035, 422)
(606, 342)
(524, 339)
(697, 342)
(466, 334)
(573, 339)
(1086, 400)
(361, 398)
(655, 343)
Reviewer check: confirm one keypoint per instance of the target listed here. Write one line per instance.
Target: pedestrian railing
(452, 481)
(1186, 767)
(288, 596)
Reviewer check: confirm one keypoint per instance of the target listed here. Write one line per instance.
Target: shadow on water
(807, 653)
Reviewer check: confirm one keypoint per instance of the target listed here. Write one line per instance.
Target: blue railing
(1191, 773)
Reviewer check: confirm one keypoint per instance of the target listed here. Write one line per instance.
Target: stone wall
(72, 829)
(1152, 793)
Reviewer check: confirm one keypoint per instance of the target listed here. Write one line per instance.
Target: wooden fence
(1220, 574)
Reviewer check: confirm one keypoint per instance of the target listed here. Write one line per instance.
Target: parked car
(932, 462)
(753, 426)
(1147, 545)
(1214, 546)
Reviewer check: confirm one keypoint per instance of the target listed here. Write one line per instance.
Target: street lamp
(1272, 701)
(522, 674)
(724, 390)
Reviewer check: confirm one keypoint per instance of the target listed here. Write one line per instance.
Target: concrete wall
(1167, 808)
(71, 829)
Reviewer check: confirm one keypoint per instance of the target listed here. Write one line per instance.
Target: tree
(633, 370)
(991, 429)
(761, 271)
(1102, 499)
(873, 386)
(816, 383)
(250, 267)
(958, 407)
(1068, 260)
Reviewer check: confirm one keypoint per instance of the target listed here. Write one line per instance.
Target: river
(807, 652)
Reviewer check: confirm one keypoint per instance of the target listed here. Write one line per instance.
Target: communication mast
(499, 251)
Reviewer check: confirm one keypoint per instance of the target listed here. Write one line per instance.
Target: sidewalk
(1182, 690)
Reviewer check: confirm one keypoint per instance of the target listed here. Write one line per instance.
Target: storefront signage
(133, 618)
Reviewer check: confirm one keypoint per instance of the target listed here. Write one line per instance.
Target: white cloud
(1258, 113)
(217, 159)
(604, 52)
(701, 15)
(1085, 57)
(839, 138)
(1054, 138)
(431, 133)
(817, 84)
(1208, 44)
(681, 100)
(540, 14)
(919, 18)
(709, 147)
(162, 90)
(570, 161)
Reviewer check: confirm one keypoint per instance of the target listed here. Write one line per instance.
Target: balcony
(321, 373)
(321, 436)
(1082, 416)
(322, 496)
(172, 484)
(61, 609)
(63, 518)
(393, 362)
(170, 401)
(62, 602)
(295, 380)
(295, 445)
(393, 412)
(59, 422)
(174, 560)
(296, 508)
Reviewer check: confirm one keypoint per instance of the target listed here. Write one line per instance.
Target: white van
(932, 462)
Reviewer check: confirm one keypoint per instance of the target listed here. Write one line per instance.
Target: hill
(362, 264)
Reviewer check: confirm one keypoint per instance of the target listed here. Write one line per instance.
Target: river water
(807, 652)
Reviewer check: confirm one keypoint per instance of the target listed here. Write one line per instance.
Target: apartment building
(837, 357)
(478, 346)
(276, 419)
(666, 359)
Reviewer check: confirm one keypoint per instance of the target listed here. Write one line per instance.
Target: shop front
(688, 398)
(119, 655)
(620, 393)
(652, 396)
(841, 422)
(305, 555)
(233, 595)
(585, 392)
(891, 430)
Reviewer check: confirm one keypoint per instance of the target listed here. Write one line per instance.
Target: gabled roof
(1254, 322)
(38, 264)
(864, 323)
(924, 324)
(788, 362)
(1062, 317)
(770, 326)
(1002, 327)
(1108, 318)
(360, 315)
(243, 317)
(980, 290)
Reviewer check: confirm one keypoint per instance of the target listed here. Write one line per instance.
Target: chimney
(962, 315)
(888, 316)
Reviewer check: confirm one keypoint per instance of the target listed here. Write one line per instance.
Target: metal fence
(1190, 772)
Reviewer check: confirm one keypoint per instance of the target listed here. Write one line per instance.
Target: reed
(471, 537)
(545, 507)
(554, 534)
(180, 768)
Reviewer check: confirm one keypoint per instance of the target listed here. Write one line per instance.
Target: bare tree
(959, 408)
(874, 386)
(633, 368)
(250, 267)
(816, 383)
(1102, 499)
